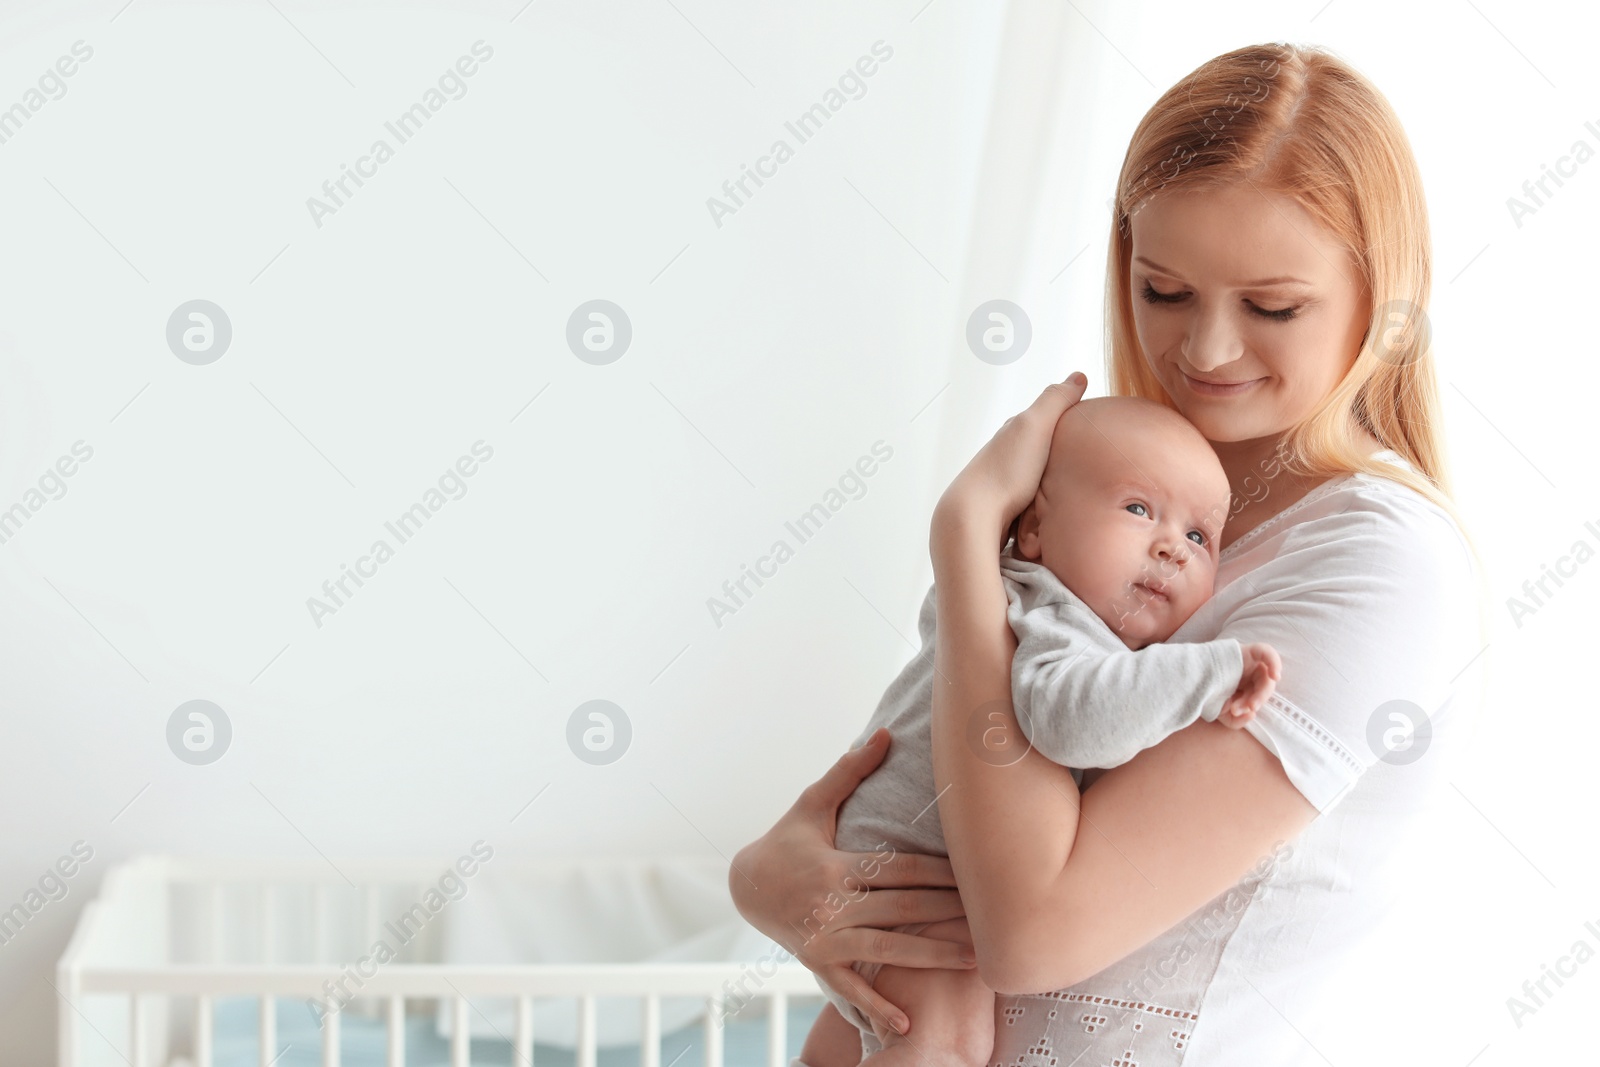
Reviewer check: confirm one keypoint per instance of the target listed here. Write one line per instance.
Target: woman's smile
(1200, 388)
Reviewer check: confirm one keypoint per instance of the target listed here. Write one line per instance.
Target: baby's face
(1127, 516)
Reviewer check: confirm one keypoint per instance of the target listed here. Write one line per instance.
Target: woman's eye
(1153, 297)
(1142, 509)
(1280, 315)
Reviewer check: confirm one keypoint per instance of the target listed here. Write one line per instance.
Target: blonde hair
(1300, 121)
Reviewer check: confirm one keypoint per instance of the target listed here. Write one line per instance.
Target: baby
(1116, 551)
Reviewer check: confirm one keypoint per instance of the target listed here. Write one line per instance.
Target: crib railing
(450, 984)
(121, 943)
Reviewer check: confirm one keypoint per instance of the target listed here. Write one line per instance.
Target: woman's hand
(1002, 479)
(830, 908)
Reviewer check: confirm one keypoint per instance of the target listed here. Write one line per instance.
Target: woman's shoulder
(1362, 519)
(1367, 590)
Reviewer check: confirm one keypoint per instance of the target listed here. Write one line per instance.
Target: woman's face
(1239, 286)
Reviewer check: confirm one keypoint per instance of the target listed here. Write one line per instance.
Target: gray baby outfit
(1082, 698)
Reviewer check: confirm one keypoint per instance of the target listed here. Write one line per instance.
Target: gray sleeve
(1084, 705)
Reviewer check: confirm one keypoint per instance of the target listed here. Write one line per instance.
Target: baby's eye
(1199, 538)
(1142, 509)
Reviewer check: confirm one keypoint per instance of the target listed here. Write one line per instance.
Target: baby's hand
(1258, 679)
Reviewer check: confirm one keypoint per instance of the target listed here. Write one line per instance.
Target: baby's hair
(1083, 413)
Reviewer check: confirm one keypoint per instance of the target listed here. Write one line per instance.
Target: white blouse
(1370, 594)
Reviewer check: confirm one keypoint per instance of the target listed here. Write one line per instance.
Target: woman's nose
(1210, 342)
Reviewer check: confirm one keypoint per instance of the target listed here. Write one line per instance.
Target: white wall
(768, 354)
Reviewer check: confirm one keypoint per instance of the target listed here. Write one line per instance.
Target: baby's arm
(1084, 706)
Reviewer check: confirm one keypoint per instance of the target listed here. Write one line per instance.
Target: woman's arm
(1049, 902)
(830, 908)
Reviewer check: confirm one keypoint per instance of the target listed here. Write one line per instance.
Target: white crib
(168, 939)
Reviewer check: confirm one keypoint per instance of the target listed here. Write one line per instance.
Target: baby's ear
(1028, 532)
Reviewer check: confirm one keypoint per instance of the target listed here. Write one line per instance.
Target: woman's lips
(1207, 389)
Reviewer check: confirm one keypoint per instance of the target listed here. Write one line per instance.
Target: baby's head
(1127, 515)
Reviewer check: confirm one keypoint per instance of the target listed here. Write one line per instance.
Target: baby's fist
(1257, 681)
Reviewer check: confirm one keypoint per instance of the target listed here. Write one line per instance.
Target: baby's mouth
(1155, 590)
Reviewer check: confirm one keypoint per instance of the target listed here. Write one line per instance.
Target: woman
(1268, 275)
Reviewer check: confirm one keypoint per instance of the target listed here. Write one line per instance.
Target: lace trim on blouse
(1178, 1023)
(1314, 730)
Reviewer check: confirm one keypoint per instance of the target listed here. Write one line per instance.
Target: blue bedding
(363, 1041)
